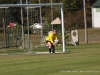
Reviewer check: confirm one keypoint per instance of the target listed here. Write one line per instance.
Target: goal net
(27, 25)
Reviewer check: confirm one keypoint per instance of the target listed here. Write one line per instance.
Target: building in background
(96, 14)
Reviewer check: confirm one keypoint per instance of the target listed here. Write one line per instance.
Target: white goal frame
(48, 4)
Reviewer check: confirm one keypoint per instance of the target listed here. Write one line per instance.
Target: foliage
(71, 8)
(14, 35)
(46, 28)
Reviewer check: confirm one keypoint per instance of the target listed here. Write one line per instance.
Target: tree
(71, 8)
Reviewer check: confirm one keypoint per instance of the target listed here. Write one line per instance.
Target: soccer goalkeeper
(51, 40)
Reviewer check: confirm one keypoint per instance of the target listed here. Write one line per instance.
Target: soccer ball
(56, 41)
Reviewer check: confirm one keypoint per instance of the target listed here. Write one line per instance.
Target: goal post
(38, 5)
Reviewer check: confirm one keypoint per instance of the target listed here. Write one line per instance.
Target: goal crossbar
(24, 5)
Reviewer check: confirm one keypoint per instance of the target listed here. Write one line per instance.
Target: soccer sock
(49, 49)
(49, 46)
(53, 50)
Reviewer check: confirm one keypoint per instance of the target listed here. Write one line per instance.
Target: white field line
(20, 62)
(32, 61)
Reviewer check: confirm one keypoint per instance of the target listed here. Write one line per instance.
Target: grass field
(82, 60)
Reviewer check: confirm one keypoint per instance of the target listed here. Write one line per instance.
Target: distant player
(51, 40)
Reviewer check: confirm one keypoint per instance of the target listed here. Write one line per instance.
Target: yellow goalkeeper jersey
(51, 37)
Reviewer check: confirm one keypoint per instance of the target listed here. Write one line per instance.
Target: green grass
(82, 60)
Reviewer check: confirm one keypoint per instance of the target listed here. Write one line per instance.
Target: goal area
(26, 26)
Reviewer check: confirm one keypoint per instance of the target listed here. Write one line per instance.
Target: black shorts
(48, 41)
